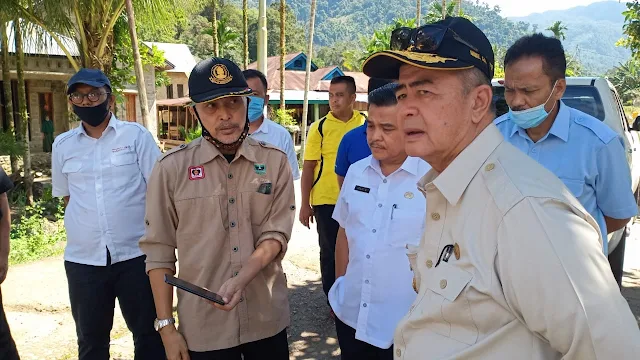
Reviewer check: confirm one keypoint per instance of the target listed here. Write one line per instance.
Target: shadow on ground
(312, 333)
(631, 291)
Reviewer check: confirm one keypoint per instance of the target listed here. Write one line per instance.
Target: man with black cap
(101, 169)
(226, 203)
(510, 264)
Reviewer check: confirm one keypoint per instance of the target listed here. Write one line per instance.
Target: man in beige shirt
(226, 203)
(510, 265)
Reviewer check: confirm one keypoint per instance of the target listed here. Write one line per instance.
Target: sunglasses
(426, 38)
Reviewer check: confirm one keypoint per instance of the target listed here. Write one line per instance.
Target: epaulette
(265, 144)
(172, 151)
(63, 137)
(602, 131)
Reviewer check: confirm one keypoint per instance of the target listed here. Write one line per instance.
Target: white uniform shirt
(106, 180)
(526, 279)
(276, 135)
(380, 215)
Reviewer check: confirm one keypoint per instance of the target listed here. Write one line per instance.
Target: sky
(526, 7)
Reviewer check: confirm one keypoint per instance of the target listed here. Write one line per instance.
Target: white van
(597, 97)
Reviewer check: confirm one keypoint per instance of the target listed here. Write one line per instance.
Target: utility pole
(262, 36)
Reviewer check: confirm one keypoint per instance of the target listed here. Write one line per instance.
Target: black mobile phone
(194, 289)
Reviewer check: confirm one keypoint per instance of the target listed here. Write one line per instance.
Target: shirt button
(235, 273)
(235, 249)
(534, 150)
(232, 201)
(366, 281)
(435, 216)
(368, 256)
(398, 352)
(490, 167)
(443, 284)
(379, 205)
(429, 264)
(241, 299)
(384, 181)
(233, 224)
(364, 305)
(373, 231)
(230, 176)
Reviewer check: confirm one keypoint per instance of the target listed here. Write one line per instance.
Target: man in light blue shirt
(582, 151)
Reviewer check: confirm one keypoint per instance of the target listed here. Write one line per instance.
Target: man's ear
(266, 100)
(482, 96)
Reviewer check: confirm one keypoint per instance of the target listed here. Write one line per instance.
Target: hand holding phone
(193, 289)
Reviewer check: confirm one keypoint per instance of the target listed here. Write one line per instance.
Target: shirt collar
(559, 129)
(210, 151)
(264, 127)
(455, 179)
(354, 117)
(112, 124)
(409, 165)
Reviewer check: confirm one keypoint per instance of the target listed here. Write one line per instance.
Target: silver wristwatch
(159, 324)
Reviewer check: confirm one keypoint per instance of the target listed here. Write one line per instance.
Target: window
(584, 98)
(169, 91)
(180, 90)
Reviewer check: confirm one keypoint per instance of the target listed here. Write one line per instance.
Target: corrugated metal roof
(178, 55)
(39, 42)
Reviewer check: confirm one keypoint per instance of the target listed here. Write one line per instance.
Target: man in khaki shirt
(226, 203)
(510, 265)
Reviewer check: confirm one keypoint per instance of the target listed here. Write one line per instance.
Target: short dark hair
(554, 62)
(350, 81)
(253, 73)
(384, 95)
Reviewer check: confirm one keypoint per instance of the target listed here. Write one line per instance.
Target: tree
(6, 85)
(89, 23)
(631, 28)
(626, 79)
(307, 79)
(23, 116)
(439, 11)
(295, 40)
(283, 51)
(245, 34)
(418, 12)
(227, 38)
(214, 30)
(142, 91)
(558, 29)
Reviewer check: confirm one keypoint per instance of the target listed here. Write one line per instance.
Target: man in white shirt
(101, 169)
(263, 129)
(380, 213)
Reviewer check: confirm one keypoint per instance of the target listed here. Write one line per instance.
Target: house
(179, 57)
(46, 72)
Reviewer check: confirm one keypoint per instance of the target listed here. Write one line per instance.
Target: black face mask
(94, 115)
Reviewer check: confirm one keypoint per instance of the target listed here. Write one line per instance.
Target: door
(130, 105)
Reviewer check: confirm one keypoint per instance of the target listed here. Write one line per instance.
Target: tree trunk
(307, 78)
(418, 11)
(22, 113)
(245, 33)
(283, 51)
(214, 21)
(142, 91)
(6, 84)
(459, 7)
(444, 9)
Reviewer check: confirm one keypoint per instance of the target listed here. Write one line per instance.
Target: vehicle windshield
(584, 98)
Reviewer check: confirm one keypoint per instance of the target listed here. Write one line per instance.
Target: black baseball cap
(375, 83)
(453, 43)
(91, 77)
(216, 78)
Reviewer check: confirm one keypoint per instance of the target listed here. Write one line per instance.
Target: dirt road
(37, 305)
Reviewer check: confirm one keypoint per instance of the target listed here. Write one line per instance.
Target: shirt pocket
(448, 301)
(256, 206)
(406, 226)
(72, 169)
(124, 166)
(575, 186)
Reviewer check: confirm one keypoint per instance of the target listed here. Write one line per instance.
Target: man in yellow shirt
(319, 182)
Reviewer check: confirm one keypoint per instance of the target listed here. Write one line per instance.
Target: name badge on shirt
(362, 189)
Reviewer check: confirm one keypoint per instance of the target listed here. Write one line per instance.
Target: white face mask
(534, 116)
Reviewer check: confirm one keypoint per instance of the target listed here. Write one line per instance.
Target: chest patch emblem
(260, 169)
(196, 172)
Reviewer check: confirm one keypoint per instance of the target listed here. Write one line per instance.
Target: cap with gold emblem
(215, 78)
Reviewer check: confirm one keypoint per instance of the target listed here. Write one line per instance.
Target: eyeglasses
(424, 39)
(93, 96)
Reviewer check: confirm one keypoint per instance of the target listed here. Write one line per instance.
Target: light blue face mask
(256, 108)
(532, 117)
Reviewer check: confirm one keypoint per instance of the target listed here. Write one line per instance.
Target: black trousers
(93, 291)
(353, 349)
(327, 233)
(8, 349)
(273, 348)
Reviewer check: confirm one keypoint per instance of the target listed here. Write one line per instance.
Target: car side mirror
(636, 124)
